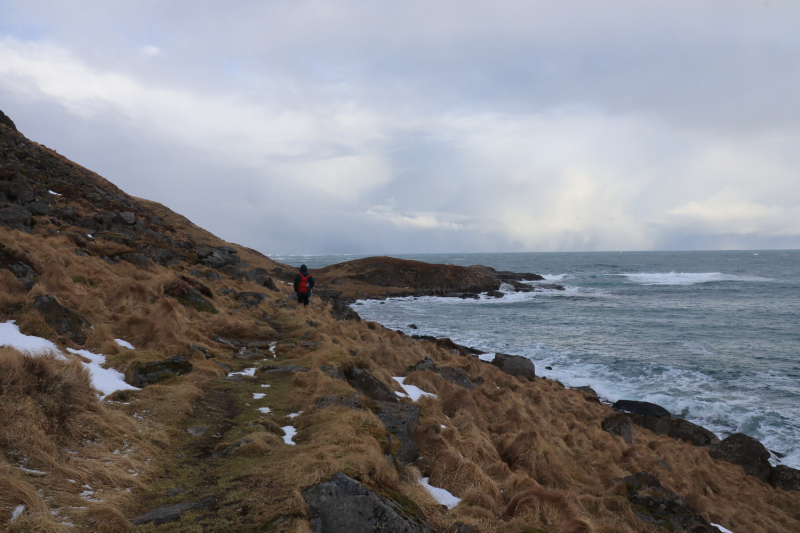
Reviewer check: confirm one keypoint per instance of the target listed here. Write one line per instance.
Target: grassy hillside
(523, 456)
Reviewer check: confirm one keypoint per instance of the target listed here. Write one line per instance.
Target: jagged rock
(456, 376)
(677, 428)
(342, 311)
(352, 401)
(370, 386)
(16, 216)
(743, 450)
(282, 369)
(61, 319)
(217, 257)
(198, 431)
(333, 372)
(149, 373)
(18, 266)
(400, 420)
(250, 299)
(654, 504)
(619, 425)
(125, 217)
(198, 348)
(343, 505)
(261, 277)
(135, 259)
(587, 390)
(783, 477)
(7, 122)
(189, 297)
(641, 408)
(40, 208)
(516, 365)
(172, 513)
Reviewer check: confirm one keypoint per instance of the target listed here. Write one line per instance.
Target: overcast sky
(369, 126)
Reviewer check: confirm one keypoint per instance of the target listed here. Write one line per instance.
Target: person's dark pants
(302, 298)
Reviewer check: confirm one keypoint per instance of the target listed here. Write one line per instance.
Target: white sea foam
(555, 277)
(686, 278)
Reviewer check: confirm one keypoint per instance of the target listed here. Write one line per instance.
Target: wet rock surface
(619, 425)
(343, 505)
(784, 477)
(400, 419)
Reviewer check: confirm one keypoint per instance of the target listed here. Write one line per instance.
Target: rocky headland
(238, 411)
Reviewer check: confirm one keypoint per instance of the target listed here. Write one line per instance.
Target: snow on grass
(29, 471)
(17, 512)
(258, 395)
(413, 392)
(106, 380)
(265, 385)
(245, 372)
(272, 346)
(124, 344)
(294, 414)
(440, 495)
(11, 336)
(722, 528)
(264, 410)
(53, 193)
(290, 433)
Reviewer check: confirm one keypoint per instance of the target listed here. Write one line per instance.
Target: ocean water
(712, 336)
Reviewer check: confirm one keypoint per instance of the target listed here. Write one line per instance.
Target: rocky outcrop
(173, 513)
(677, 428)
(456, 376)
(641, 408)
(343, 505)
(149, 373)
(516, 365)
(652, 503)
(369, 386)
(19, 265)
(400, 420)
(7, 122)
(61, 319)
(783, 477)
(619, 425)
(745, 451)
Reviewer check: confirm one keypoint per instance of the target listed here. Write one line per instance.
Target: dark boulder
(370, 386)
(640, 408)
(745, 451)
(516, 365)
(587, 390)
(342, 311)
(353, 401)
(783, 477)
(19, 265)
(16, 216)
(456, 376)
(677, 428)
(135, 259)
(343, 505)
(619, 425)
(250, 299)
(173, 513)
(400, 419)
(149, 373)
(217, 257)
(333, 372)
(61, 319)
(652, 503)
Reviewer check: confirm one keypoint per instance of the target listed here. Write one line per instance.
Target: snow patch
(442, 496)
(17, 512)
(413, 392)
(258, 395)
(290, 433)
(264, 410)
(124, 344)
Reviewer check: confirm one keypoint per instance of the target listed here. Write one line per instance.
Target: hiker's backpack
(303, 285)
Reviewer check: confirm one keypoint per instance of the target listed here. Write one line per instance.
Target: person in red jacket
(303, 283)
